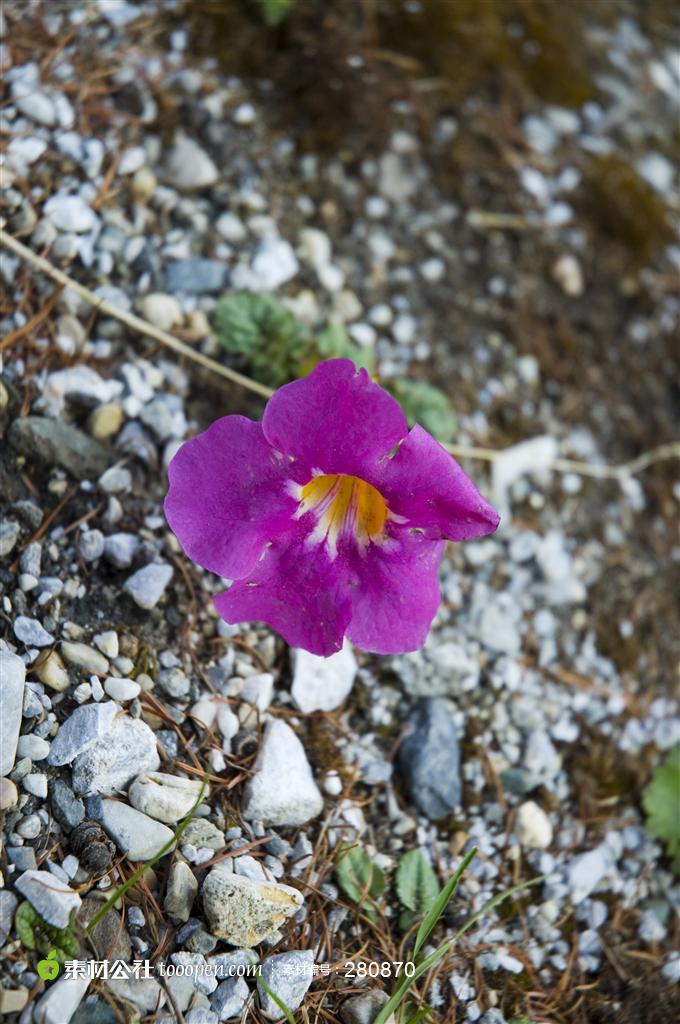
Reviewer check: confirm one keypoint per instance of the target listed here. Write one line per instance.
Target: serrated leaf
(358, 877)
(427, 405)
(416, 883)
(661, 801)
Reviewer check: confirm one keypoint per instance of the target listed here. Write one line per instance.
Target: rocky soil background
(487, 200)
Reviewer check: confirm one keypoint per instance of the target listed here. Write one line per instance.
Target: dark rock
(66, 807)
(428, 760)
(57, 444)
(199, 276)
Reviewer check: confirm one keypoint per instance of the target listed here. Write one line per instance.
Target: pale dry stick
(670, 450)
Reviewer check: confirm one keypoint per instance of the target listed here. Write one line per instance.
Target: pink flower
(330, 516)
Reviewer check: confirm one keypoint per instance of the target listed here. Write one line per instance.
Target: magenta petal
(397, 595)
(424, 484)
(336, 419)
(297, 591)
(228, 496)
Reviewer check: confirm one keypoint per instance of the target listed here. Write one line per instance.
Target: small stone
(70, 213)
(274, 263)
(84, 656)
(105, 421)
(288, 976)
(189, 167)
(161, 310)
(52, 673)
(568, 274)
(12, 1000)
(8, 904)
(60, 1002)
(428, 760)
(91, 545)
(244, 114)
(12, 679)
(230, 227)
(164, 797)
(47, 894)
(364, 1008)
(113, 760)
(181, 891)
(107, 642)
(33, 747)
(201, 833)
(196, 276)
(81, 730)
(66, 807)
(586, 871)
(31, 632)
(498, 627)
(9, 535)
(122, 689)
(533, 827)
(173, 682)
(120, 549)
(147, 585)
(244, 912)
(8, 798)
(29, 827)
(55, 443)
(229, 999)
(540, 756)
(282, 790)
(116, 480)
(35, 784)
(137, 835)
(322, 684)
(38, 107)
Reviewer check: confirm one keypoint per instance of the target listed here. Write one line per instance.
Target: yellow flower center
(343, 506)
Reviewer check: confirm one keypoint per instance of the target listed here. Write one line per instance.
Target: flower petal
(228, 496)
(297, 591)
(397, 595)
(336, 419)
(425, 484)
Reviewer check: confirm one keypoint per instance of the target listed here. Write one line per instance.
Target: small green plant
(425, 404)
(359, 878)
(273, 11)
(261, 330)
(57, 944)
(427, 925)
(661, 800)
(417, 886)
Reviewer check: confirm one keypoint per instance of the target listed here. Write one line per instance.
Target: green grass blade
(136, 875)
(396, 998)
(440, 904)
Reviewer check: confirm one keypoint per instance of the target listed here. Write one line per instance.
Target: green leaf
(358, 877)
(661, 801)
(425, 404)
(273, 11)
(416, 882)
(35, 933)
(335, 343)
(260, 329)
(441, 902)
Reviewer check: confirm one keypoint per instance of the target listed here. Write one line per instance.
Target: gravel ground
(517, 248)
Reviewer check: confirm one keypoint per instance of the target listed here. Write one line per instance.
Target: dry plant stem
(662, 453)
